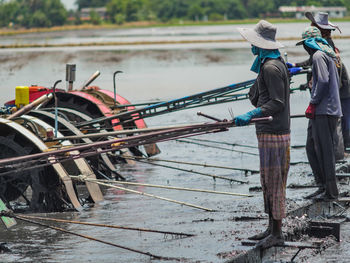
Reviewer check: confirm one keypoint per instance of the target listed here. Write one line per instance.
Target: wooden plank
(8, 221)
(300, 245)
(323, 229)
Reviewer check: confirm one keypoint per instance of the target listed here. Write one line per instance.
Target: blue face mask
(319, 43)
(262, 54)
(255, 50)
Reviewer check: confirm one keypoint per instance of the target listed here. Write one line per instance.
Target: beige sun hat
(263, 35)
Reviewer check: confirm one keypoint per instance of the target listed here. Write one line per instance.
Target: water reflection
(220, 32)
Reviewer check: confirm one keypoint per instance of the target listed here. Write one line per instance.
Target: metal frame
(81, 163)
(62, 173)
(215, 96)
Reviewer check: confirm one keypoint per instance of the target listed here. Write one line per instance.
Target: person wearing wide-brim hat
(320, 20)
(324, 111)
(270, 96)
(263, 36)
(342, 140)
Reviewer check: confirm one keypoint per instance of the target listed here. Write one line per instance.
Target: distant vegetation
(47, 13)
(32, 13)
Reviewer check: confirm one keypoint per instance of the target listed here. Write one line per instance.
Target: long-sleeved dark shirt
(270, 92)
(325, 85)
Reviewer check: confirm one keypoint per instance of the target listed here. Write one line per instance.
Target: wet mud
(153, 74)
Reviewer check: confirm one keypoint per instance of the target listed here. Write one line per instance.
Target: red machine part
(102, 107)
(34, 93)
(38, 91)
(122, 101)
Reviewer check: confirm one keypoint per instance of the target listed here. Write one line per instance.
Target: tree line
(167, 10)
(32, 13)
(46, 13)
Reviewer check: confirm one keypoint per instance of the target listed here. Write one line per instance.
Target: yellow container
(22, 96)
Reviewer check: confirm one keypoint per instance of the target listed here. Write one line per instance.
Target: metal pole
(151, 195)
(187, 170)
(114, 86)
(172, 188)
(104, 225)
(196, 164)
(209, 117)
(56, 111)
(70, 75)
(90, 80)
(90, 238)
(30, 106)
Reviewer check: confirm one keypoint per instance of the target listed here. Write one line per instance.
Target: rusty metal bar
(56, 156)
(30, 106)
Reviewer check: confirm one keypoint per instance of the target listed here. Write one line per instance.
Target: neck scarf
(320, 43)
(262, 55)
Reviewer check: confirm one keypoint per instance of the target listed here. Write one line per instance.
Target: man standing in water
(270, 96)
(342, 138)
(323, 111)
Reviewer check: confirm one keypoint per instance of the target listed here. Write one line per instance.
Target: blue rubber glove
(290, 65)
(295, 70)
(244, 119)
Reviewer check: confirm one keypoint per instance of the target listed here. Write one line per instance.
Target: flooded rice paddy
(164, 72)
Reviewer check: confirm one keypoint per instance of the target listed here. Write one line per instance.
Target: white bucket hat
(262, 36)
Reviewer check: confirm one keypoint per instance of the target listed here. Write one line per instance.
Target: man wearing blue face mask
(270, 96)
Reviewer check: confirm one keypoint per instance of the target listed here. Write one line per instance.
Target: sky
(69, 4)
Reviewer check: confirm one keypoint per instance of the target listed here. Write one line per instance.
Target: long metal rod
(297, 116)
(116, 144)
(30, 106)
(223, 143)
(174, 188)
(212, 96)
(56, 105)
(216, 147)
(120, 143)
(92, 238)
(115, 87)
(121, 132)
(90, 80)
(164, 109)
(107, 226)
(188, 102)
(197, 164)
(137, 104)
(189, 171)
(149, 195)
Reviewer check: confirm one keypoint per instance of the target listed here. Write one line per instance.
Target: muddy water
(151, 73)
